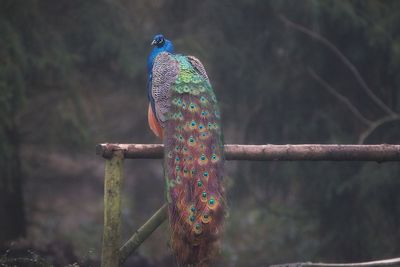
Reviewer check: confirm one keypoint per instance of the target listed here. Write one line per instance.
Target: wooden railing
(113, 255)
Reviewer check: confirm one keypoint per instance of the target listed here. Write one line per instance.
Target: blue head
(160, 45)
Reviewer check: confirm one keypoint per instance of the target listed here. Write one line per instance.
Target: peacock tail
(193, 165)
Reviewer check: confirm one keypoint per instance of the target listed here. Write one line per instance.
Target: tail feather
(194, 168)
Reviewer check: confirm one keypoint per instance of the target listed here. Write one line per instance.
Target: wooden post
(112, 210)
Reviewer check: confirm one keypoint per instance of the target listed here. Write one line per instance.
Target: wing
(198, 66)
(165, 72)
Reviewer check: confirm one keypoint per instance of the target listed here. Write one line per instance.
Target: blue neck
(167, 47)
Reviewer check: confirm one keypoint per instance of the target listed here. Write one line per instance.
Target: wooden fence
(113, 254)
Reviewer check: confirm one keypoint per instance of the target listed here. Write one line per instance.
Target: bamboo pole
(112, 210)
(306, 152)
(143, 233)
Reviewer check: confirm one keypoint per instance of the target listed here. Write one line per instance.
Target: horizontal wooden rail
(306, 152)
(394, 261)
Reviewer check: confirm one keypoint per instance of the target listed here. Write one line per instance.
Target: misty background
(73, 74)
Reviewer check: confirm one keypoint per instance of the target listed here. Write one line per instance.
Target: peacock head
(158, 40)
(162, 44)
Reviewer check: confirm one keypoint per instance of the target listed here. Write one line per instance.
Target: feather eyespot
(214, 158)
(197, 229)
(193, 107)
(203, 135)
(180, 137)
(177, 101)
(191, 141)
(204, 113)
(203, 159)
(184, 150)
(192, 125)
(177, 116)
(204, 196)
(206, 218)
(212, 203)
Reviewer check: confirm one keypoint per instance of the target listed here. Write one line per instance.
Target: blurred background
(73, 74)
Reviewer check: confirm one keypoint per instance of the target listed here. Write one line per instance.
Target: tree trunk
(12, 217)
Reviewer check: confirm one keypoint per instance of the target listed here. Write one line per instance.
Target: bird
(183, 111)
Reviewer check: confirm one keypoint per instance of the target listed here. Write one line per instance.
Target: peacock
(183, 111)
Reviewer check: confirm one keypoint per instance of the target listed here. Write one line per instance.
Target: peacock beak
(153, 42)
